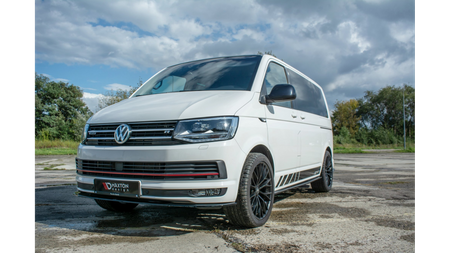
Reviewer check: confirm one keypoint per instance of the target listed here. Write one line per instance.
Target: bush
(344, 137)
(378, 136)
(362, 136)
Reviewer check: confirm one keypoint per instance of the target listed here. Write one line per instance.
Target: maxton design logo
(120, 187)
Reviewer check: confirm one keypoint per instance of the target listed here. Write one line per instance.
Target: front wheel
(255, 195)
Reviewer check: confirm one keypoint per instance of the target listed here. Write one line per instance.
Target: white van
(225, 132)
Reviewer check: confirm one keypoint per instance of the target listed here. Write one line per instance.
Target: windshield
(230, 73)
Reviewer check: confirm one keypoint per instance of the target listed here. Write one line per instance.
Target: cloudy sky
(346, 46)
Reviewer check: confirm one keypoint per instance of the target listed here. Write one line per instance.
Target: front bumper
(227, 151)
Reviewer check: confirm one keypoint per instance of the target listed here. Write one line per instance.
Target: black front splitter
(151, 202)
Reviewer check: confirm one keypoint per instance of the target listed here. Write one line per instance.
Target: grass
(348, 150)
(64, 147)
(353, 148)
(52, 167)
(55, 147)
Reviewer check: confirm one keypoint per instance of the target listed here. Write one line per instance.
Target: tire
(255, 194)
(116, 206)
(325, 183)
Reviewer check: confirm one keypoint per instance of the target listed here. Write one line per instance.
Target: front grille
(143, 134)
(152, 170)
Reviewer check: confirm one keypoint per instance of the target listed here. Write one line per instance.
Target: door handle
(302, 117)
(294, 115)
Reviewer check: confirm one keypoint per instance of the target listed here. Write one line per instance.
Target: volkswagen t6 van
(227, 132)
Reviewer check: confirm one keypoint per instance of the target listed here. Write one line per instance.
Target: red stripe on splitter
(153, 174)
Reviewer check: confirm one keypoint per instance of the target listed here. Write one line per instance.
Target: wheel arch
(332, 155)
(329, 149)
(265, 151)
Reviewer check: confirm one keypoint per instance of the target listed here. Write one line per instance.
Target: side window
(309, 96)
(275, 74)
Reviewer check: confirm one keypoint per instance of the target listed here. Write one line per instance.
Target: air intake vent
(151, 170)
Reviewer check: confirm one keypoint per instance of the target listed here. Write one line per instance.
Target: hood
(174, 106)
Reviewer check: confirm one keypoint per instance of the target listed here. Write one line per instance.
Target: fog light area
(204, 192)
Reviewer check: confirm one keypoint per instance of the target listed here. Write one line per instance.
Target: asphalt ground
(371, 208)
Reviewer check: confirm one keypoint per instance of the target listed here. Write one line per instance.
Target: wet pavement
(371, 208)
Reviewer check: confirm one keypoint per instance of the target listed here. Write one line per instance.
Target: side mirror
(280, 93)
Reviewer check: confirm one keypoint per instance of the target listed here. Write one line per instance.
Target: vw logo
(122, 133)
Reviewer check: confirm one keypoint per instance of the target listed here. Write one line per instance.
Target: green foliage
(384, 109)
(344, 116)
(344, 136)
(375, 119)
(55, 147)
(59, 111)
(378, 136)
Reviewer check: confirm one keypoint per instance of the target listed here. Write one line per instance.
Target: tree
(59, 111)
(345, 116)
(384, 109)
(114, 96)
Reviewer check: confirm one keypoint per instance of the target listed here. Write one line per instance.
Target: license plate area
(123, 188)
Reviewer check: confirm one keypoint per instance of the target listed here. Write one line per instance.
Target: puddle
(134, 221)
(161, 222)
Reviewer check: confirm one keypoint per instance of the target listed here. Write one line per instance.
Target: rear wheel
(326, 182)
(115, 206)
(255, 194)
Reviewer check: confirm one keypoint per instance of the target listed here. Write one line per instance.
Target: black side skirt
(297, 185)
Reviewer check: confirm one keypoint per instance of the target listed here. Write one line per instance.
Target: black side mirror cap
(280, 93)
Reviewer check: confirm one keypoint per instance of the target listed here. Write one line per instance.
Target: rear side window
(309, 96)
(275, 74)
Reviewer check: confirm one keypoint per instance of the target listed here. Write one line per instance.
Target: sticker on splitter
(117, 188)
(120, 187)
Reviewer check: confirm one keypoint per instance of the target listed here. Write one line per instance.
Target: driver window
(275, 75)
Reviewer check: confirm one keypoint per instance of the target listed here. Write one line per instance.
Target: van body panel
(283, 137)
(170, 106)
(165, 131)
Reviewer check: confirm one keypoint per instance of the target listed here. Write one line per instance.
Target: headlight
(203, 130)
(85, 133)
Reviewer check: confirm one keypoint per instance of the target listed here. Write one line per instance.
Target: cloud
(345, 46)
(92, 100)
(168, 32)
(117, 86)
(56, 79)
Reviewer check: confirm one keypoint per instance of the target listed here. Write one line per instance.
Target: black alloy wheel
(325, 182)
(328, 171)
(255, 196)
(261, 190)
